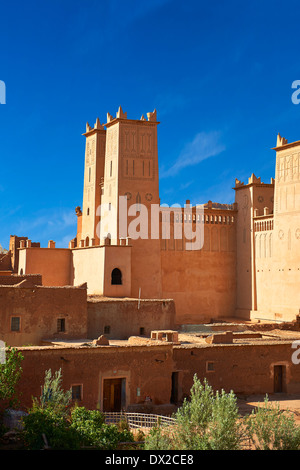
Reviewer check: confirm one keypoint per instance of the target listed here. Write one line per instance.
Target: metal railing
(139, 420)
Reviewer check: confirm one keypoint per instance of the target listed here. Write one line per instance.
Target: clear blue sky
(219, 74)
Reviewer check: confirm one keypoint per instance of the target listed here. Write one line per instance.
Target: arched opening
(116, 277)
(87, 241)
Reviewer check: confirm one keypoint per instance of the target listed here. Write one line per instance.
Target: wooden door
(278, 379)
(112, 394)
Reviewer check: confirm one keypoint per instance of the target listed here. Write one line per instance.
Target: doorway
(174, 389)
(279, 379)
(114, 394)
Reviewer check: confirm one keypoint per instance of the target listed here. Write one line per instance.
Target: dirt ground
(285, 401)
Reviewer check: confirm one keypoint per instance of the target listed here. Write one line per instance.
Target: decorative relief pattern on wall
(288, 168)
(281, 234)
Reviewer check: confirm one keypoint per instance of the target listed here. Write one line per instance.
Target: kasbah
(130, 312)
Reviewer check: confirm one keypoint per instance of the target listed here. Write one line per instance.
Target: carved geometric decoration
(281, 234)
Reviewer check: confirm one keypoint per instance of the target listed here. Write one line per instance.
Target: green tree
(10, 373)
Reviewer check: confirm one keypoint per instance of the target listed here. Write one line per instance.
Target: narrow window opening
(116, 277)
(77, 392)
(15, 324)
(61, 325)
(107, 330)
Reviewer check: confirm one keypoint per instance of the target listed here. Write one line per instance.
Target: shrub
(10, 373)
(56, 429)
(53, 397)
(207, 421)
(90, 426)
(271, 429)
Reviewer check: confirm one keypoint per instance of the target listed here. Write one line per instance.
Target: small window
(88, 211)
(142, 331)
(107, 330)
(61, 325)
(76, 392)
(15, 324)
(116, 277)
(210, 366)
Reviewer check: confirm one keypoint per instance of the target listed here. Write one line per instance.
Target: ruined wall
(126, 317)
(39, 309)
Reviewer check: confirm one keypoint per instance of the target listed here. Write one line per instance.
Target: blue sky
(219, 74)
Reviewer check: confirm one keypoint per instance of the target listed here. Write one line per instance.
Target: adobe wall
(39, 308)
(251, 199)
(244, 368)
(16, 279)
(88, 266)
(126, 317)
(54, 264)
(202, 282)
(148, 369)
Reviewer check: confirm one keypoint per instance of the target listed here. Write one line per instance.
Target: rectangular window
(76, 392)
(61, 325)
(210, 366)
(15, 324)
(107, 330)
(142, 331)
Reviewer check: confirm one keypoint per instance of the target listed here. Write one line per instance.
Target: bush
(90, 426)
(56, 429)
(53, 397)
(10, 373)
(271, 429)
(207, 421)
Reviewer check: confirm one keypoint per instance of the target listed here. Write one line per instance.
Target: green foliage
(53, 397)
(271, 429)
(56, 429)
(65, 428)
(10, 373)
(207, 421)
(92, 430)
(158, 438)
